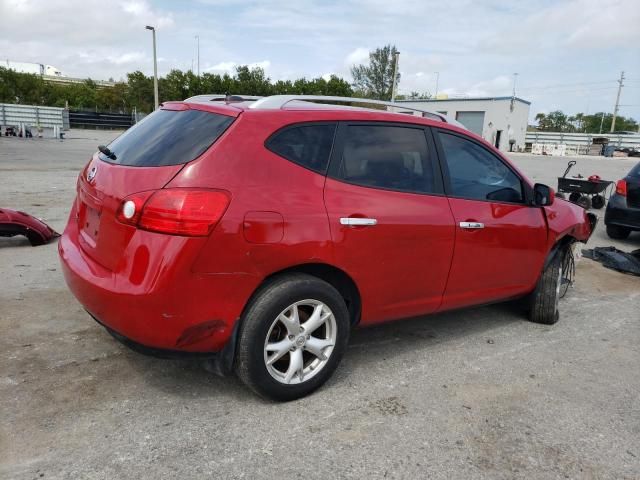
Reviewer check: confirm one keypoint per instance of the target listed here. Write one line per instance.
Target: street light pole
(198, 39)
(435, 96)
(155, 68)
(395, 77)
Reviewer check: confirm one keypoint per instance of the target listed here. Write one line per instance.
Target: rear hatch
(633, 187)
(144, 158)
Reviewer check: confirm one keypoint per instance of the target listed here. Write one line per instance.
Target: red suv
(257, 233)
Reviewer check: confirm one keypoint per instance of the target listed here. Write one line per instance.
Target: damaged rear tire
(543, 301)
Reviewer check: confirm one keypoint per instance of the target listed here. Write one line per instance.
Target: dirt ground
(478, 393)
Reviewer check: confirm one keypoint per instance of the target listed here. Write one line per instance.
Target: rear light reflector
(621, 188)
(133, 202)
(175, 211)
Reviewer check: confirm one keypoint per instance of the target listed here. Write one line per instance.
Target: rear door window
(477, 174)
(168, 137)
(389, 157)
(308, 145)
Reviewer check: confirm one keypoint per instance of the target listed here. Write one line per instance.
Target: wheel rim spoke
(295, 366)
(292, 321)
(316, 346)
(280, 348)
(318, 317)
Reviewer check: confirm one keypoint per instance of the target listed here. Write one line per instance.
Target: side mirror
(543, 195)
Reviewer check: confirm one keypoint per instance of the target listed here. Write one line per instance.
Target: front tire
(543, 302)
(293, 335)
(618, 233)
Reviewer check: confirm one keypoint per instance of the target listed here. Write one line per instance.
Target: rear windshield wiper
(105, 151)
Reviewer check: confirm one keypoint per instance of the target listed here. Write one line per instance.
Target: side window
(477, 174)
(306, 145)
(390, 157)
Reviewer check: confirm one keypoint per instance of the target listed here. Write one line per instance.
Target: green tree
(137, 91)
(338, 87)
(252, 81)
(140, 91)
(375, 80)
(557, 121)
(593, 122)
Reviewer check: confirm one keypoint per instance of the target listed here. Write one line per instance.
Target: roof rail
(279, 101)
(215, 98)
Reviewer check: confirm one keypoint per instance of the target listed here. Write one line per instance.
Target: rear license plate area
(89, 219)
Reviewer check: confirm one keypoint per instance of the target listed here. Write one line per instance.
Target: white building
(496, 119)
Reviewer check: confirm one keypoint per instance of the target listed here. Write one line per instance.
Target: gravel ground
(479, 393)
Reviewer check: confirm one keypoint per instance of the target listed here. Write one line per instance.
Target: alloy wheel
(300, 341)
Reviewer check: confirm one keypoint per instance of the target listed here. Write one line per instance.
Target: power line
(567, 85)
(551, 92)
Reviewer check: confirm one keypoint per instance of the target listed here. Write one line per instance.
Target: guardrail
(578, 139)
(98, 120)
(33, 115)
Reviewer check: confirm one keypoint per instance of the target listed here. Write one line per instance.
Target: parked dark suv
(622, 215)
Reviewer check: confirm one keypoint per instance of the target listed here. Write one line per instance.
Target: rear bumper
(165, 309)
(220, 362)
(619, 214)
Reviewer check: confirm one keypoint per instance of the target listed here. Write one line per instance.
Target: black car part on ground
(611, 257)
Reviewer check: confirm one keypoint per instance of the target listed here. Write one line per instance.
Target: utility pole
(198, 39)
(601, 122)
(435, 96)
(395, 77)
(615, 110)
(155, 68)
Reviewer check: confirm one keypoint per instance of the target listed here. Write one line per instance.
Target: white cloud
(575, 25)
(357, 56)
(474, 45)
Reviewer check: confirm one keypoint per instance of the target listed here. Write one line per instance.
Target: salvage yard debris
(13, 222)
(615, 259)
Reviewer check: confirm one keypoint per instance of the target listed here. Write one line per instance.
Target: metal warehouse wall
(46, 117)
(496, 110)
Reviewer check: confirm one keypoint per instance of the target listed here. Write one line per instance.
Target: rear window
(167, 137)
(635, 171)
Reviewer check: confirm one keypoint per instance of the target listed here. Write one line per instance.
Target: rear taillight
(175, 211)
(621, 188)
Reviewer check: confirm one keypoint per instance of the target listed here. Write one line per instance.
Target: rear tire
(574, 197)
(278, 357)
(543, 302)
(597, 202)
(585, 202)
(618, 233)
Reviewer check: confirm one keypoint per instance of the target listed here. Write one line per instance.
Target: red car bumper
(13, 222)
(167, 307)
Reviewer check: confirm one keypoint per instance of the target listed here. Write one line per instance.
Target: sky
(568, 54)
